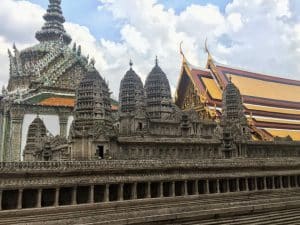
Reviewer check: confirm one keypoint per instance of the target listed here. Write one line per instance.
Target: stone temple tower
(132, 104)
(158, 94)
(92, 125)
(233, 122)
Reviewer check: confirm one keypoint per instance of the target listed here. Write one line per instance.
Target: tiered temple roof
(272, 104)
(158, 93)
(131, 94)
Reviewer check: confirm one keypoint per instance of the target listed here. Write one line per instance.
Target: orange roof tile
(57, 101)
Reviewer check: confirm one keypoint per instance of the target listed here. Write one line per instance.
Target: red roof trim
(258, 76)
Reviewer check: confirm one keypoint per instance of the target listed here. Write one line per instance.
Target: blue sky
(103, 25)
(257, 35)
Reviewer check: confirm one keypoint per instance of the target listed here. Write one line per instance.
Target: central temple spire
(53, 29)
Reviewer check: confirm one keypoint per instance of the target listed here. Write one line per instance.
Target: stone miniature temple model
(201, 160)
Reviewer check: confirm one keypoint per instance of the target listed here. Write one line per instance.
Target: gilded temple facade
(271, 114)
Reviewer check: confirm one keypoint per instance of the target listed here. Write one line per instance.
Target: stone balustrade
(12, 167)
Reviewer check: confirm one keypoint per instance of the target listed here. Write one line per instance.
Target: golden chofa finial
(181, 52)
(209, 57)
(180, 48)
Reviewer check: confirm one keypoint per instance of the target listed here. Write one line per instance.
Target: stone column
(74, 196)
(63, 123)
(237, 189)
(206, 186)
(218, 186)
(148, 189)
(1, 192)
(120, 192)
(255, 183)
(173, 188)
(280, 181)
(289, 181)
(160, 189)
(20, 198)
(296, 181)
(227, 185)
(273, 182)
(91, 195)
(265, 183)
(56, 197)
(246, 184)
(39, 198)
(185, 188)
(134, 191)
(196, 191)
(106, 193)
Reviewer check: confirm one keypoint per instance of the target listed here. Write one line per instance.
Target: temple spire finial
(53, 29)
(130, 63)
(156, 60)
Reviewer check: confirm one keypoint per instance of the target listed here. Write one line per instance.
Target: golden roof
(294, 134)
(266, 89)
(274, 102)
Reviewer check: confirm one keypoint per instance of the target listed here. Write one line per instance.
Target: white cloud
(259, 35)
